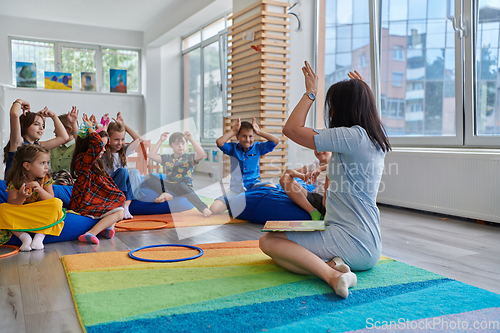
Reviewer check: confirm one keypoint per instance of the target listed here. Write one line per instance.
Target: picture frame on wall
(118, 80)
(25, 74)
(58, 80)
(88, 81)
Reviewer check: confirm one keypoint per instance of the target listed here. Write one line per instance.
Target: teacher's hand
(311, 78)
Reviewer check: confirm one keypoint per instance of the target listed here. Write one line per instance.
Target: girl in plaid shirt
(95, 193)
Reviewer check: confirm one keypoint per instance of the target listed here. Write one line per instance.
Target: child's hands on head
(119, 119)
(236, 126)
(164, 136)
(73, 115)
(25, 106)
(188, 135)
(256, 128)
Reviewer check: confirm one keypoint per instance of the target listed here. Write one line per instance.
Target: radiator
(464, 183)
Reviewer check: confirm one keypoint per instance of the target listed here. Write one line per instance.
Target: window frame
(58, 45)
(219, 37)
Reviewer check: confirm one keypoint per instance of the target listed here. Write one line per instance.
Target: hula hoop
(16, 249)
(117, 225)
(131, 253)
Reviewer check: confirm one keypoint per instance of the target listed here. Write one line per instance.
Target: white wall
(131, 106)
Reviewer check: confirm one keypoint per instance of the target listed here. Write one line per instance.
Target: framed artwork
(207, 155)
(58, 81)
(118, 80)
(25, 74)
(215, 156)
(88, 81)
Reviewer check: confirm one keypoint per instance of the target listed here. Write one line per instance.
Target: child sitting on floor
(311, 202)
(115, 158)
(245, 155)
(179, 169)
(94, 194)
(29, 186)
(60, 157)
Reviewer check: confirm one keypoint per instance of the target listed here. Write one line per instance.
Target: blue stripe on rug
(256, 317)
(438, 300)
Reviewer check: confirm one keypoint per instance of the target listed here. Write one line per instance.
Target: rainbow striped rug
(234, 287)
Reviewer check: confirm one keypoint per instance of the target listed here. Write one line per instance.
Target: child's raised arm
(135, 136)
(267, 136)
(224, 138)
(73, 120)
(153, 153)
(200, 153)
(19, 106)
(61, 134)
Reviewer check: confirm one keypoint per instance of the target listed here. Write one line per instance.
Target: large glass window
(487, 69)
(121, 59)
(40, 53)
(76, 58)
(432, 89)
(204, 79)
(347, 40)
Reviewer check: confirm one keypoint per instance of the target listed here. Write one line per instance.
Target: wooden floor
(35, 297)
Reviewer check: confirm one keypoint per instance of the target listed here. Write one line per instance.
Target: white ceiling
(136, 15)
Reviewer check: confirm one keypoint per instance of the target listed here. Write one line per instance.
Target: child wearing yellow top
(31, 205)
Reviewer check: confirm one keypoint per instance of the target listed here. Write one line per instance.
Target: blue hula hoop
(131, 253)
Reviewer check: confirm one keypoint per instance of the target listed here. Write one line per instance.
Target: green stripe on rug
(386, 274)
(134, 301)
(90, 282)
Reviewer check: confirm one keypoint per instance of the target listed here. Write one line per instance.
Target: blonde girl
(31, 205)
(115, 158)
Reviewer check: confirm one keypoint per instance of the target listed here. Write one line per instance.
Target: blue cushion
(269, 204)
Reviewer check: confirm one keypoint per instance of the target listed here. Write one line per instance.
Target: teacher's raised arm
(295, 128)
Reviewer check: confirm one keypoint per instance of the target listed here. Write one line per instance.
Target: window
(40, 53)
(397, 79)
(205, 73)
(397, 53)
(76, 58)
(362, 61)
(418, 49)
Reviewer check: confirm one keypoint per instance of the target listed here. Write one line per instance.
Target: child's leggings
(122, 181)
(180, 189)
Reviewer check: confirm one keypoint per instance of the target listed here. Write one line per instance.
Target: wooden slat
(246, 10)
(248, 19)
(273, 167)
(269, 28)
(242, 42)
(244, 75)
(283, 59)
(274, 72)
(274, 123)
(246, 27)
(273, 115)
(275, 22)
(238, 90)
(245, 62)
(247, 95)
(277, 153)
(276, 3)
(274, 87)
(241, 69)
(283, 15)
(273, 79)
(277, 44)
(274, 108)
(266, 64)
(274, 36)
(243, 82)
(246, 101)
(243, 54)
(273, 160)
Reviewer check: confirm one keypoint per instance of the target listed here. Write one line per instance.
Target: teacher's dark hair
(351, 102)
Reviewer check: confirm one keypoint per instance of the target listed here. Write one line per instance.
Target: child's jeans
(181, 189)
(122, 181)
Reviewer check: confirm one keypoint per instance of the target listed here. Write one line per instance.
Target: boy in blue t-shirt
(245, 154)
